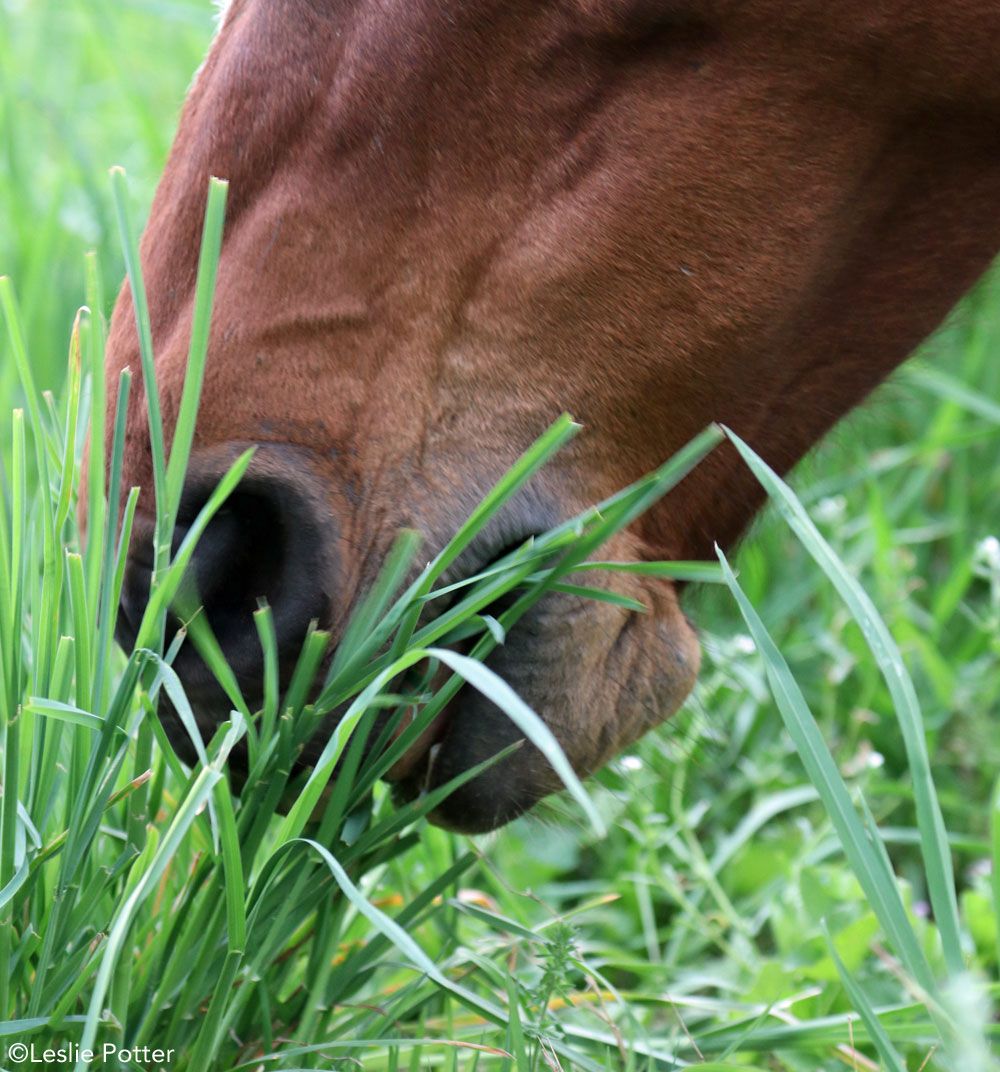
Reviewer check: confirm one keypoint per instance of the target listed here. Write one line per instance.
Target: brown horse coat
(450, 221)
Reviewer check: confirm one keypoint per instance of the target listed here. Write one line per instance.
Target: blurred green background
(83, 86)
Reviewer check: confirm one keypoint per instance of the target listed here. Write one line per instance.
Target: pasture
(690, 923)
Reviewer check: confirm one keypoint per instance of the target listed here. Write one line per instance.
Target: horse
(450, 222)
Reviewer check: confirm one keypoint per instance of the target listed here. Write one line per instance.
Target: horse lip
(412, 773)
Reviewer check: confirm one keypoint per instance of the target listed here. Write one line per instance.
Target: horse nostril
(239, 561)
(265, 544)
(271, 540)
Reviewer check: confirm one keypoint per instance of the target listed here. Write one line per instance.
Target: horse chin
(599, 677)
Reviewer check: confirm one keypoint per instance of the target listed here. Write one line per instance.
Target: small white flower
(743, 644)
(988, 553)
(830, 509)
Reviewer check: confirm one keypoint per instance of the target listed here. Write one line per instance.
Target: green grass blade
(867, 863)
(208, 263)
(15, 331)
(934, 838)
(170, 583)
(995, 857)
(232, 868)
(693, 572)
(892, 1060)
(95, 474)
(264, 621)
(67, 713)
(82, 617)
(108, 606)
(374, 604)
(599, 595)
(401, 939)
(500, 693)
(548, 444)
(140, 306)
(944, 386)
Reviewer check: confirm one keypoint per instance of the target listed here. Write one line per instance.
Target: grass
(736, 911)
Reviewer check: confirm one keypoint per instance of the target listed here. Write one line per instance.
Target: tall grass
(733, 914)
